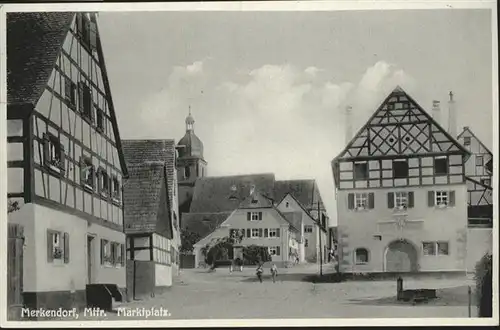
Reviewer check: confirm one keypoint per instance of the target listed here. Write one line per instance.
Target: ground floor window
(274, 250)
(57, 247)
(361, 256)
(440, 248)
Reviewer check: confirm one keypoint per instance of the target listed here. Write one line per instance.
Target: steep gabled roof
(256, 201)
(305, 192)
(203, 223)
(293, 218)
(143, 194)
(225, 193)
(303, 208)
(34, 42)
(466, 129)
(399, 127)
(163, 151)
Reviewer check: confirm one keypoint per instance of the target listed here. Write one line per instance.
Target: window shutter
(66, 248)
(62, 158)
(46, 142)
(430, 198)
(93, 35)
(122, 247)
(452, 198)
(266, 232)
(390, 200)
(242, 232)
(371, 201)
(67, 89)
(411, 199)
(249, 233)
(260, 232)
(93, 111)
(260, 215)
(278, 232)
(102, 252)
(248, 216)
(81, 94)
(98, 177)
(350, 201)
(50, 248)
(277, 250)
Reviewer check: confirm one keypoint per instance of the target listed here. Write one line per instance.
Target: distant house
(313, 242)
(65, 161)
(215, 198)
(151, 216)
(479, 178)
(261, 224)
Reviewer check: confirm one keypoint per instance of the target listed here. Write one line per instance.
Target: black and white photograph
(249, 163)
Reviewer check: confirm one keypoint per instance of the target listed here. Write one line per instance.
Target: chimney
(436, 111)
(348, 124)
(452, 119)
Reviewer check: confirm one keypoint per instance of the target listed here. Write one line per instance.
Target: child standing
(274, 272)
(259, 273)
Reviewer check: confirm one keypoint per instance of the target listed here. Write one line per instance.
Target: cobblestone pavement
(199, 294)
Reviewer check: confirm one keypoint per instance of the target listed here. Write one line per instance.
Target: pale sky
(267, 90)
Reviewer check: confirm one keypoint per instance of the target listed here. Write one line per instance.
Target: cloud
(273, 118)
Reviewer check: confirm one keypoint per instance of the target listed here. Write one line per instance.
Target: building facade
(261, 224)
(151, 216)
(479, 178)
(190, 164)
(313, 243)
(401, 193)
(65, 163)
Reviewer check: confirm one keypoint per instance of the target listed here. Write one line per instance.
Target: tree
(483, 277)
(219, 248)
(188, 239)
(255, 254)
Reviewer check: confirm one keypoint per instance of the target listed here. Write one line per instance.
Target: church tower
(190, 164)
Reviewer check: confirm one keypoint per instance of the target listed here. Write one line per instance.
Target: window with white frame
(442, 198)
(361, 200)
(103, 181)
(401, 200)
(273, 232)
(439, 248)
(255, 233)
(308, 229)
(58, 246)
(53, 153)
(255, 216)
(273, 250)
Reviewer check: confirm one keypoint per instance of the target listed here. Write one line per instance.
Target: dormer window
(54, 156)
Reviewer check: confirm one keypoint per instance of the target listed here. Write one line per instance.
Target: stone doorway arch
(401, 256)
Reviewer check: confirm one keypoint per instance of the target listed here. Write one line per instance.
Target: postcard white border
(247, 6)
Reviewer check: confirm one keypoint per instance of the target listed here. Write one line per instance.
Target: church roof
(191, 145)
(203, 223)
(225, 193)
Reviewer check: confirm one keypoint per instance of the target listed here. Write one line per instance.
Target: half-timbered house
(401, 193)
(65, 164)
(151, 216)
(479, 178)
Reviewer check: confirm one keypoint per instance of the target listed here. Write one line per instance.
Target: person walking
(259, 273)
(274, 272)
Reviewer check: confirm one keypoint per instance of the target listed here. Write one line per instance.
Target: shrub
(255, 254)
(483, 278)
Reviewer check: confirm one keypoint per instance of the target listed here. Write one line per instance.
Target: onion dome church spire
(190, 145)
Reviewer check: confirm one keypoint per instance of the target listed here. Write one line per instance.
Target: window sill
(361, 263)
(88, 187)
(442, 207)
(87, 118)
(116, 201)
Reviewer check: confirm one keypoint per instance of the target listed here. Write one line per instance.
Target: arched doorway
(401, 256)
